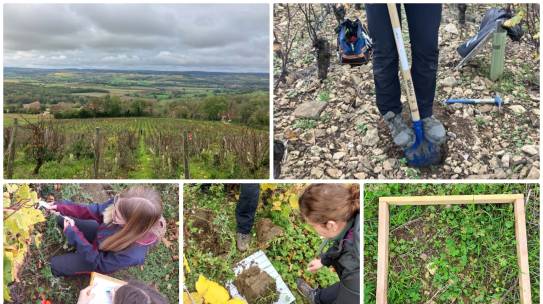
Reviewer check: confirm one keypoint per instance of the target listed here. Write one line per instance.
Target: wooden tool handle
(404, 64)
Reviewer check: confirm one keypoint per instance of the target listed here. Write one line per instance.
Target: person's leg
(327, 295)
(385, 74)
(385, 59)
(424, 21)
(70, 264)
(89, 228)
(245, 214)
(246, 207)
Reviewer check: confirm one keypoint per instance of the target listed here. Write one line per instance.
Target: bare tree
(314, 21)
(532, 22)
(287, 37)
(45, 142)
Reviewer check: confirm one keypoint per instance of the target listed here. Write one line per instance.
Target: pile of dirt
(256, 286)
(267, 231)
(204, 232)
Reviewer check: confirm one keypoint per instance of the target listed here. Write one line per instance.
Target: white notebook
(103, 288)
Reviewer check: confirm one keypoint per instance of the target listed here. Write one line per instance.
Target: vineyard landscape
(90, 123)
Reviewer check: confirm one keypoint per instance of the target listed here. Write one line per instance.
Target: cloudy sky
(205, 37)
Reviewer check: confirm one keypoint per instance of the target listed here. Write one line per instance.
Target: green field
(22, 118)
(135, 148)
(451, 254)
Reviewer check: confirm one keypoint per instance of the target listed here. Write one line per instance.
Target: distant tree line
(250, 109)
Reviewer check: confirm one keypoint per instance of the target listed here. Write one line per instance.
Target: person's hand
(68, 222)
(314, 265)
(85, 295)
(49, 207)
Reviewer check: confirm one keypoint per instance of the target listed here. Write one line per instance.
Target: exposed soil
(204, 232)
(267, 231)
(99, 192)
(256, 286)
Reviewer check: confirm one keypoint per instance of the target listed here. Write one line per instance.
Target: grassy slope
(461, 254)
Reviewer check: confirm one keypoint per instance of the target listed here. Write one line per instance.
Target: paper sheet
(261, 260)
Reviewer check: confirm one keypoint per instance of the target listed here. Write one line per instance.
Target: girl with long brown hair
(109, 236)
(334, 212)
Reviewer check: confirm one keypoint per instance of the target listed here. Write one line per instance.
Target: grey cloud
(174, 37)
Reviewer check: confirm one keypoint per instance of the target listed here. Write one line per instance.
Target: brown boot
(243, 241)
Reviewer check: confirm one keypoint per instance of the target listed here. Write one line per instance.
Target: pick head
(498, 101)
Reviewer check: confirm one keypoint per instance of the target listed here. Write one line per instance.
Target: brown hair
(321, 203)
(141, 208)
(138, 293)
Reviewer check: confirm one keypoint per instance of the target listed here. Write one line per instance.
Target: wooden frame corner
(517, 200)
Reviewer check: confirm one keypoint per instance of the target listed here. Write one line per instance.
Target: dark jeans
(71, 264)
(246, 207)
(423, 21)
(327, 295)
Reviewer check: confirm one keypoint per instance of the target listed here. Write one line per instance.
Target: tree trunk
(323, 57)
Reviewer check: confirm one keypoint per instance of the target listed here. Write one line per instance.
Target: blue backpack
(354, 43)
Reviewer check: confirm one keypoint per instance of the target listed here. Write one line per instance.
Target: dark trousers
(327, 295)
(423, 21)
(71, 264)
(246, 207)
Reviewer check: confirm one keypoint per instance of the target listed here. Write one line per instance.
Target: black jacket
(344, 256)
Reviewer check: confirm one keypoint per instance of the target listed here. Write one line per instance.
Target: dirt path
(144, 162)
(349, 140)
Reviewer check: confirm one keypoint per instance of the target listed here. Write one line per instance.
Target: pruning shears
(43, 205)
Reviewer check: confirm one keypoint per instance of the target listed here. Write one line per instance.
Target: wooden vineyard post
(382, 252)
(498, 53)
(186, 154)
(525, 292)
(11, 149)
(96, 152)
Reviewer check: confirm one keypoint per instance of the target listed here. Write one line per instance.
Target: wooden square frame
(520, 233)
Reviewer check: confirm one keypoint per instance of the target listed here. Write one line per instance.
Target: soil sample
(256, 286)
(267, 231)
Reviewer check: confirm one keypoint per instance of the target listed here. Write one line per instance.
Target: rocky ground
(345, 137)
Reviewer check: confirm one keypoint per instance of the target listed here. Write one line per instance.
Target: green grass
(161, 268)
(324, 96)
(362, 128)
(305, 123)
(288, 253)
(458, 254)
(67, 168)
(22, 119)
(143, 161)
